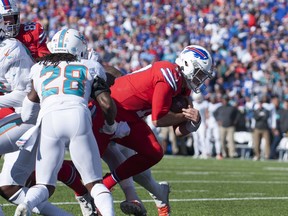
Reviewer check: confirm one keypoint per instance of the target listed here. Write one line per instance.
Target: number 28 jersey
(68, 83)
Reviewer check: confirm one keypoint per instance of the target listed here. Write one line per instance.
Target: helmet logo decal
(82, 38)
(61, 38)
(6, 4)
(197, 52)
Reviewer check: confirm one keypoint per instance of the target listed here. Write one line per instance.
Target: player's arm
(42, 49)
(161, 103)
(18, 65)
(191, 124)
(101, 93)
(30, 106)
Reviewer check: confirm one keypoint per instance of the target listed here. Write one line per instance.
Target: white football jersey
(15, 65)
(67, 84)
(211, 109)
(201, 107)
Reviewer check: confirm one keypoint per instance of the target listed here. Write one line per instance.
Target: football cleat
(133, 207)
(164, 211)
(163, 203)
(22, 210)
(87, 205)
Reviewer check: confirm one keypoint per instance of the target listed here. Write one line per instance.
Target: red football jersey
(33, 36)
(155, 84)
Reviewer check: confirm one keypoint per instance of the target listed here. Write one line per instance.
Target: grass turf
(204, 188)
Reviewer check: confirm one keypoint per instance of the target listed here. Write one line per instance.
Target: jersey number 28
(72, 82)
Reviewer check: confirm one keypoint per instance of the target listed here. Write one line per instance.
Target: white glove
(119, 130)
(109, 129)
(122, 130)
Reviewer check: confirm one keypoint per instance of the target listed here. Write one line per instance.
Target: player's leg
(49, 159)
(86, 158)
(158, 191)
(149, 152)
(69, 175)
(16, 169)
(216, 134)
(11, 128)
(132, 205)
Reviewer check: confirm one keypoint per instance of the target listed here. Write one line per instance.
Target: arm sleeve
(13, 99)
(162, 100)
(17, 75)
(42, 37)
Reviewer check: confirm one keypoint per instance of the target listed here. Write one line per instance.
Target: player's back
(33, 36)
(66, 85)
(135, 91)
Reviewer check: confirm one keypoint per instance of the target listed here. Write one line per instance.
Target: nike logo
(7, 53)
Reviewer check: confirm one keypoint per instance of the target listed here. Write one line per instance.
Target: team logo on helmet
(198, 53)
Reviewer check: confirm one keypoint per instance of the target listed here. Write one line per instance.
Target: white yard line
(180, 200)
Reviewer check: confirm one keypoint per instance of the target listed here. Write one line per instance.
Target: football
(178, 103)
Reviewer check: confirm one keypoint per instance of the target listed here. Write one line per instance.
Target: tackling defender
(34, 38)
(62, 84)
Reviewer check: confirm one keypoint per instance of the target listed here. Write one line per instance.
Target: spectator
(261, 130)
(200, 148)
(275, 130)
(248, 40)
(227, 117)
(212, 128)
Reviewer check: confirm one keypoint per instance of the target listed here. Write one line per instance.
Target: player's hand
(118, 130)
(109, 129)
(122, 130)
(191, 114)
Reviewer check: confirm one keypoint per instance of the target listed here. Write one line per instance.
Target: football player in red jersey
(33, 36)
(150, 91)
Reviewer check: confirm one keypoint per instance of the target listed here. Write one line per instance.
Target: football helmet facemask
(197, 66)
(11, 16)
(69, 41)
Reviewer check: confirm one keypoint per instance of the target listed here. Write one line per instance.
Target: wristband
(111, 128)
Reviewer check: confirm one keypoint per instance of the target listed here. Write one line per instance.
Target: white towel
(28, 139)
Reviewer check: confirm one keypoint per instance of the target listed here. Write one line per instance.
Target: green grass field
(205, 188)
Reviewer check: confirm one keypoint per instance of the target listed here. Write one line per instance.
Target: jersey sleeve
(18, 67)
(42, 48)
(162, 99)
(169, 84)
(98, 70)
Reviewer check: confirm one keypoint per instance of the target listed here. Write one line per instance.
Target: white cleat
(163, 204)
(22, 210)
(87, 205)
(133, 207)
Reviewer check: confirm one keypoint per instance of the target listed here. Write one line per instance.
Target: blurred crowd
(247, 38)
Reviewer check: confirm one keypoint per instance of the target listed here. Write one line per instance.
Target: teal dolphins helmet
(69, 41)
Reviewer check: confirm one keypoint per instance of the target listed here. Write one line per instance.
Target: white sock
(103, 200)
(146, 180)
(128, 188)
(44, 208)
(36, 195)
(19, 196)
